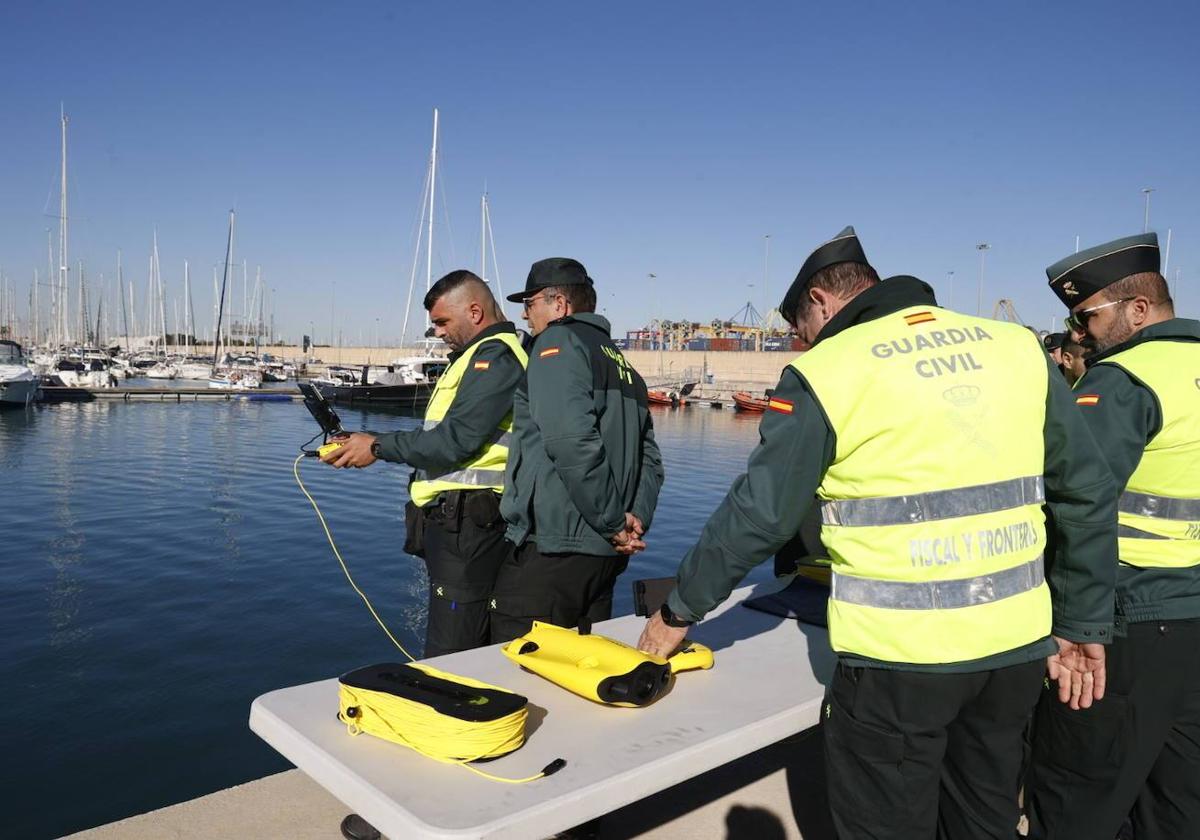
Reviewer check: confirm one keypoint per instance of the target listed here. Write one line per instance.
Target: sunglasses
(1078, 321)
(528, 302)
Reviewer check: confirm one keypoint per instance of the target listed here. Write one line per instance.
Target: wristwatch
(670, 619)
(375, 450)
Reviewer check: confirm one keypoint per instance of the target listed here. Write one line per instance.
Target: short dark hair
(844, 279)
(581, 296)
(1147, 284)
(448, 283)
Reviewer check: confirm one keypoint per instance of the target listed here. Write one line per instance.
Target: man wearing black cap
(1137, 753)
(1067, 354)
(932, 455)
(584, 472)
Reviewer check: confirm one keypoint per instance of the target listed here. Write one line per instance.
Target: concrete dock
(777, 793)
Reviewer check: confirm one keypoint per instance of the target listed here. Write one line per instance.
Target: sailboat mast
(187, 307)
(121, 297)
(483, 236)
(62, 230)
(432, 192)
(162, 304)
(224, 284)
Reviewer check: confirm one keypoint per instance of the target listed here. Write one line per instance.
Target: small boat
(662, 398)
(743, 401)
(233, 381)
(161, 370)
(18, 385)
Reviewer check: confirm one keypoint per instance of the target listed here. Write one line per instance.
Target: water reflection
(160, 554)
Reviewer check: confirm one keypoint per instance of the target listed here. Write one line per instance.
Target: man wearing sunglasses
(932, 440)
(1135, 754)
(584, 472)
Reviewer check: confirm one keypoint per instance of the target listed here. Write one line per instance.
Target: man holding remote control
(460, 453)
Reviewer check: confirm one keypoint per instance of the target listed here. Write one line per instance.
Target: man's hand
(626, 541)
(1079, 671)
(659, 638)
(355, 451)
(633, 524)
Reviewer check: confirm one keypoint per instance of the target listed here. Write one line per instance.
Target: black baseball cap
(553, 271)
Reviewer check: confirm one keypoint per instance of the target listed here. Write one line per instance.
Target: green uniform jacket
(482, 401)
(1126, 418)
(765, 507)
(583, 450)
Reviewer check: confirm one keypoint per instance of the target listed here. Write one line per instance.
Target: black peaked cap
(553, 271)
(1079, 276)
(844, 247)
(1054, 341)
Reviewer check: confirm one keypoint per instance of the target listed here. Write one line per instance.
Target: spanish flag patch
(782, 406)
(482, 365)
(919, 318)
(1087, 399)
(549, 351)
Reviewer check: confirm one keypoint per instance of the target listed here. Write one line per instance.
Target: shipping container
(724, 344)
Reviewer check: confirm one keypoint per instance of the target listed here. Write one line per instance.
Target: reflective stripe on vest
(941, 594)
(500, 436)
(1158, 507)
(940, 504)
(932, 502)
(485, 469)
(1158, 514)
(467, 478)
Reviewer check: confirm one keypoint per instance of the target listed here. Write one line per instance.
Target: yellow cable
(419, 727)
(441, 737)
(338, 555)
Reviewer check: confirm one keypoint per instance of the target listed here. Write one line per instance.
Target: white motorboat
(84, 368)
(161, 370)
(18, 385)
(234, 381)
(194, 370)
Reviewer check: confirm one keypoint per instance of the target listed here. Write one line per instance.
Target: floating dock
(56, 394)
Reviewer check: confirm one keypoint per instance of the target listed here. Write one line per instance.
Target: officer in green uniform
(932, 440)
(460, 454)
(1067, 354)
(584, 472)
(1137, 753)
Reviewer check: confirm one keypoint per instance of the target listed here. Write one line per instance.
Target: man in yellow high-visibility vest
(933, 441)
(1136, 754)
(460, 453)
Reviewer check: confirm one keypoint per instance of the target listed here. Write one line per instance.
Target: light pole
(658, 318)
(1146, 219)
(950, 297)
(982, 247)
(766, 263)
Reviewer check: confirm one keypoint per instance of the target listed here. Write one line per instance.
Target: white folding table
(767, 684)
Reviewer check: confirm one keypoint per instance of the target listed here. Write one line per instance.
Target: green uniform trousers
(553, 588)
(916, 756)
(1134, 754)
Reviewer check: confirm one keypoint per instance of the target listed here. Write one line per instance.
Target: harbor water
(161, 569)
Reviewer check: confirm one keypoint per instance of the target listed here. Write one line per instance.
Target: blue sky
(663, 138)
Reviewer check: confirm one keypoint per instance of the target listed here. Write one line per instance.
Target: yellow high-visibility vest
(932, 507)
(485, 470)
(1158, 519)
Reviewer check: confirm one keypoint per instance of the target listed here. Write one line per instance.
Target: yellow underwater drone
(599, 668)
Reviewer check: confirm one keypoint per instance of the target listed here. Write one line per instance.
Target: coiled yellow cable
(441, 737)
(417, 726)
